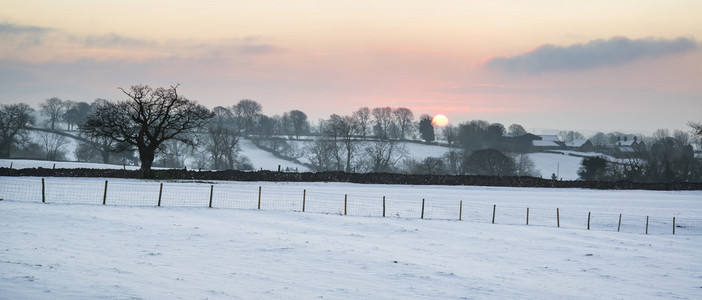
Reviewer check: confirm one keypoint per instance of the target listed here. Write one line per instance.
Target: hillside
(565, 166)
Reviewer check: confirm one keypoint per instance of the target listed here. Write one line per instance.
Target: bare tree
(342, 130)
(222, 139)
(383, 120)
(362, 116)
(403, 117)
(14, 121)
(147, 119)
(246, 112)
(696, 127)
(450, 134)
(321, 153)
(54, 109)
(383, 154)
(52, 145)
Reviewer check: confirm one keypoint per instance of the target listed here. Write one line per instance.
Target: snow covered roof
(542, 143)
(576, 143)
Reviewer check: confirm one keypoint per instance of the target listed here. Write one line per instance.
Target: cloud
(115, 40)
(258, 49)
(13, 29)
(23, 35)
(590, 55)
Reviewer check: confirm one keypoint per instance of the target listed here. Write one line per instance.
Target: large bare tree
(147, 119)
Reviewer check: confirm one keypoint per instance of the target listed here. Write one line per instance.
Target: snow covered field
(77, 251)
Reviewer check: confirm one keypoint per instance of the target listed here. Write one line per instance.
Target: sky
(601, 65)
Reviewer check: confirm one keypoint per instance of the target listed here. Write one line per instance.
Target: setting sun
(439, 120)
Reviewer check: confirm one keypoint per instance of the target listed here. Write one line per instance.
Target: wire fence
(201, 194)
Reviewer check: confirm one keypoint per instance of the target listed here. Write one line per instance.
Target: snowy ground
(60, 251)
(262, 159)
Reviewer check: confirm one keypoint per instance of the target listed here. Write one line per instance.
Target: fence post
(460, 210)
(494, 207)
(211, 192)
(588, 220)
(10, 165)
(673, 225)
(383, 206)
(558, 218)
(104, 195)
(422, 208)
(259, 197)
(527, 216)
(160, 192)
(43, 191)
(646, 224)
(304, 195)
(620, 223)
(345, 201)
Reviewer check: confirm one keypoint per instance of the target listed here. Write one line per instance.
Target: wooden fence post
(588, 220)
(673, 225)
(160, 192)
(422, 208)
(10, 165)
(460, 210)
(304, 195)
(620, 223)
(494, 207)
(646, 224)
(345, 202)
(383, 206)
(43, 191)
(558, 218)
(259, 197)
(527, 216)
(211, 192)
(104, 195)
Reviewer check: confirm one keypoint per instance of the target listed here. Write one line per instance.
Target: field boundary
(362, 178)
(203, 194)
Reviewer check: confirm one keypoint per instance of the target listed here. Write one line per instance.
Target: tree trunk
(5, 150)
(105, 156)
(146, 156)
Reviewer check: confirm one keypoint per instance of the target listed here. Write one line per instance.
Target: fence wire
(197, 194)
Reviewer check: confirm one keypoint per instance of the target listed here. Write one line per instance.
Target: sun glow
(439, 120)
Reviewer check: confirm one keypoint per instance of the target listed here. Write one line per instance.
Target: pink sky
(633, 66)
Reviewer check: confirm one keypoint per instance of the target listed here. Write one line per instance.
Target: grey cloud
(13, 29)
(258, 49)
(593, 54)
(112, 40)
(23, 35)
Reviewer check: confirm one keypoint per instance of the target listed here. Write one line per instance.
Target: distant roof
(576, 143)
(626, 143)
(542, 143)
(553, 138)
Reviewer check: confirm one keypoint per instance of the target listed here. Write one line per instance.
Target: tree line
(161, 127)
